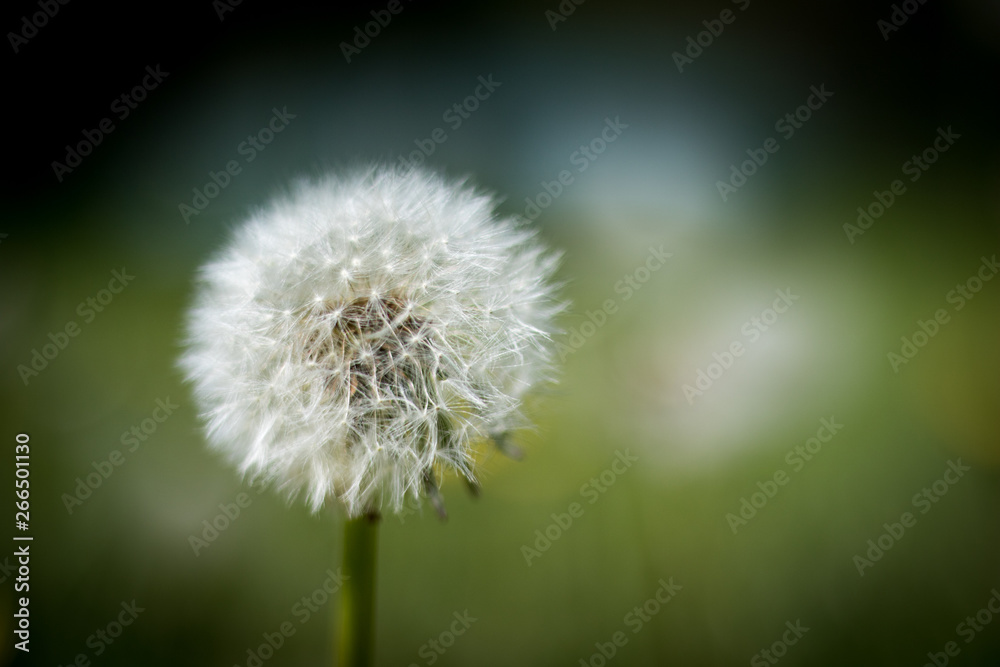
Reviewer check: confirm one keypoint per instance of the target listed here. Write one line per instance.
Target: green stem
(357, 601)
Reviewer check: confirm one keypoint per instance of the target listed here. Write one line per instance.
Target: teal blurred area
(755, 389)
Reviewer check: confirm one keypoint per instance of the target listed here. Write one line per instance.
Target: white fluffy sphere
(363, 333)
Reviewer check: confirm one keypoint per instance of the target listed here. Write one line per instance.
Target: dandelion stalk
(356, 645)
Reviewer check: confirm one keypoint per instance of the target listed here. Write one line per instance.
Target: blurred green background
(622, 391)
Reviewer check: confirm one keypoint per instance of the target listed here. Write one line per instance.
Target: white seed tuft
(364, 333)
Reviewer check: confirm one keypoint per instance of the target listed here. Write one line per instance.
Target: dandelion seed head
(363, 332)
